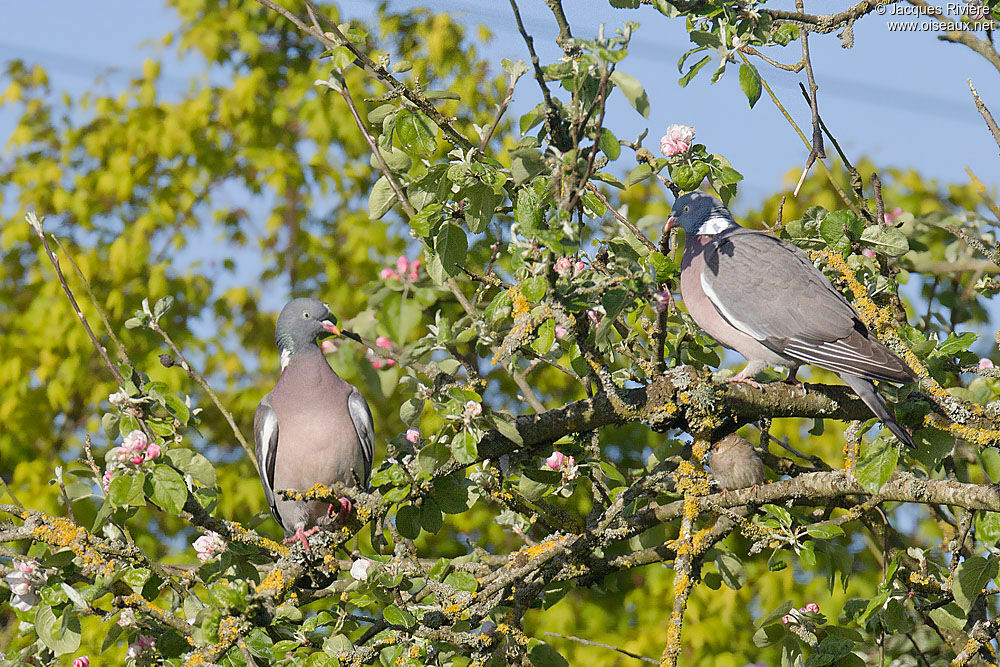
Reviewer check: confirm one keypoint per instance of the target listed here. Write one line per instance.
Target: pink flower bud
(135, 442)
(677, 140)
(134, 651)
(562, 265)
(786, 619)
(152, 451)
(414, 269)
(389, 363)
(127, 618)
(402, 264)
(984, 364)
(328, 346)
(388, 273)
(868, 252)
(473, 409)
(413, 435)
(579, 266)
(560, 332)
(555, 460)
(812, 606)
(377, 363)
(137, 459)
(146, 641)
(106, 482)
(893, 215)
(383, 341)
(26, 566)
(82, 661)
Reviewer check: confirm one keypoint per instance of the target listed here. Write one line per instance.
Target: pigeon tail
(865, 389)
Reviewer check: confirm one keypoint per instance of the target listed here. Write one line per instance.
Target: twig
(556, 134)
(62, 492)
(805, 140)
(600, 645)
(36, 224)
(528, 392)
(119, 346)
(197, 377)
(816, 151)
(622, 219)
(879, 204)
(383, 167)
(987, 116)
(500, 112)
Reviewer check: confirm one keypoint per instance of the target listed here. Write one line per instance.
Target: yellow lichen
(274, 581)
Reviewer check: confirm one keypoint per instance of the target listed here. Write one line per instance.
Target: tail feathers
(865, 389)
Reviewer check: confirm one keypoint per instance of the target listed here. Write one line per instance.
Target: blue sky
(900, 98)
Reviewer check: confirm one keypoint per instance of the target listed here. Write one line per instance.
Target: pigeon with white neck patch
(313, 427)
(761, 296)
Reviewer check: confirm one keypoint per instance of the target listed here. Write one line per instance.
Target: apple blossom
(677, 140)
(555, 460)
(359, 570)
(413, 435)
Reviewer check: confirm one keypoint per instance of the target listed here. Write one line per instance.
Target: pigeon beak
(353, 336)
(331, 327)
(671, 223)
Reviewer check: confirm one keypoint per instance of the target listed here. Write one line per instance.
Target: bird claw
(302, 536)
(744, 380)
(343, 512)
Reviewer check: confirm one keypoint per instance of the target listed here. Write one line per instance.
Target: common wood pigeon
(761, 296)
(313, 427)
(735, 463)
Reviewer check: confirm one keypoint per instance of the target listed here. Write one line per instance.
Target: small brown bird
(735, 464)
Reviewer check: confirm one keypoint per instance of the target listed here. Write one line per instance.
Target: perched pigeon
(312, 428)
(735, 463)
(762, 297)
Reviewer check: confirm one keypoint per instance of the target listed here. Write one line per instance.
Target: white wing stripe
(714, 298)
(266, 435)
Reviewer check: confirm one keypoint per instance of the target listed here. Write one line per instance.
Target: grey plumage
(735, 464)
(313, 427)
(762, 297)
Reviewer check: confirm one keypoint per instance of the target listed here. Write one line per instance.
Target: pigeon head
(301, 323)
(700, 213)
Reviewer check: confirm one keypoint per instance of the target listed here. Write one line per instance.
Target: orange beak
(331, 327)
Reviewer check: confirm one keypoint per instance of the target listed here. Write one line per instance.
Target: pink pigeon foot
(343, 512)
(744, 380)
(301, 536)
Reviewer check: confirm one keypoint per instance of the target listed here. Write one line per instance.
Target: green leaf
(609, 144)
(462, 581)
(633, 90)
(663, 265)
(889, 240)
(509, 430)
(61, 635)
(410, 410)
(451, 245)
(192, 463)
(638, 175)
(825, 531)
(463, 448)
(126, 489)
(878, 461)
(543, 655)
(482, 203)
(396, 616)
(380, 199)
(833, 229)
(732, 571)
(545, 337)
(949, 617)
(750, 83)
(534, 288)
(430, 516)
(166, 488)
(686, 79)
(989, 457)
(529, 212)
(408, 521)
(452, 494)
(415, 132)
(970, 579)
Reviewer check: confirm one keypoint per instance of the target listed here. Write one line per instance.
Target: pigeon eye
(687, 208)
(306, 315)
